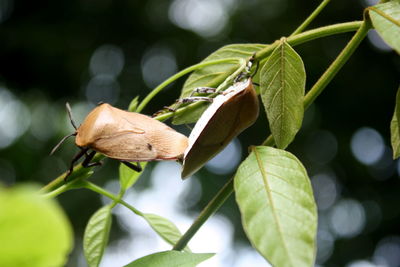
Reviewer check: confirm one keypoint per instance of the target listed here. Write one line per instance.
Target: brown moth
(234, 110)
(125, 136)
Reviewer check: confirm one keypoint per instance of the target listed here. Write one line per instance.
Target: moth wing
(168, 143)
(218, 132)
(227, 122)
(128, 146)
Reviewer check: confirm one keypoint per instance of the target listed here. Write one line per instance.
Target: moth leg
(247, 71)
(163, 110)
(192, 99)
(181, 101)
(134, 167)
(75, 159)
(88, 157)
(203, 90)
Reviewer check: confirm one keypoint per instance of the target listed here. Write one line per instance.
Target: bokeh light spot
(15, 118)
(227, 159)
(325, 244)
(361, 263)
(157, 65)
(387, 252)
(206, 18)
(377, 41)
(325, 190)
(44, 121)
(367, 145)
(347, 218)
(247, 256)
(102, 88)
(108, 60)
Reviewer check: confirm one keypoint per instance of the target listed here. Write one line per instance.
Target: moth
(124, 136)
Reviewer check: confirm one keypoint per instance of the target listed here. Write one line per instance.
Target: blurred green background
(88, 51)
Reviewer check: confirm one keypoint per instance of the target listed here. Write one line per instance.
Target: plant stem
(332, 70)
(293, 41)
(311, 17)
(56, 192)
(209, 210)
(78, 172)
(336, 65)
(313, 34)
(318, 87)
(156, 90)
(116, 199)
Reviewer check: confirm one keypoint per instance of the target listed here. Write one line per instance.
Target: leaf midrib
(269, 195)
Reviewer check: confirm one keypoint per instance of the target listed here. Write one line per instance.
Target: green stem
(78, 172)
(312, 35)
(56, 192)
(156, 90)
(227, 190)
(293, 41)
(336, 65)
(332, 70)
(311, 17)
(227, 81)
(116, 199)
(209, 210)
(120, 195)
(263, 53)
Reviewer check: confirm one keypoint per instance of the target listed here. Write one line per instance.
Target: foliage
(272, 187)
(171, 258)
(35, 226)
(283, 81)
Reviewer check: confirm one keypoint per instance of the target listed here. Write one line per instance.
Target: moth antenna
(69, 111)
(256, 69)
(61, 141)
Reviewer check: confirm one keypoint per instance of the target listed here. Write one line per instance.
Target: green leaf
(395, 129)
(171, 258)
(395, 136)
(164, 228)
(34, 231)
(214, 75)
(282, 89)
(127, 176)
(134, 104)
(277, 206)
(190, 115)
(96, 235)
(386, 20)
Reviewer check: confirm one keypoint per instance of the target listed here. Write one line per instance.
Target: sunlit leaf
(282, 86)
(164, 228)
(128, 177)
(395, 129)
(96, 236)
(386, 20)
(34, 231)
(171, 258)
(277, 206)
(214, 75)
